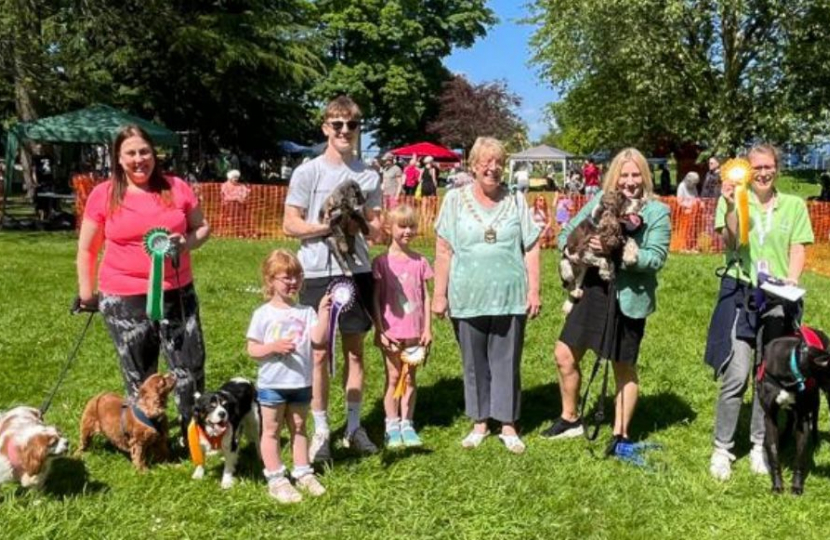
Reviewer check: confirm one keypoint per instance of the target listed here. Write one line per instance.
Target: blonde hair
(485, 145)
(766, 149)
(615, 171)
(342, 106)
(279, 261)
(402, 215)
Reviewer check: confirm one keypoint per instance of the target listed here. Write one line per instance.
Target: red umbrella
(422, 149)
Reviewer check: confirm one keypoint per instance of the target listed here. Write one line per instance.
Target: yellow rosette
(739, 173)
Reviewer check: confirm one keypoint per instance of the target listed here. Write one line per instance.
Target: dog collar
(216, 441)
(139, 415)
(799, 378)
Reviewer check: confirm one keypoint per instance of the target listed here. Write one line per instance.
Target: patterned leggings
(138, 341)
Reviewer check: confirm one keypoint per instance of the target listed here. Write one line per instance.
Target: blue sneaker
(410, 437)
(394, 439)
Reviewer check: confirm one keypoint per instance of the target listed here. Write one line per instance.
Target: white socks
(321, 418)
(271, 476)
(352, 416)
(321, 421)
(299, 472)
(392, 424)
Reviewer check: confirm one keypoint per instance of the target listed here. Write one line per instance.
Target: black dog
(795, 369)
(343, 211)
(218, 420)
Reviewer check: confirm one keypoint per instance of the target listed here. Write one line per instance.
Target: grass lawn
(555, 490)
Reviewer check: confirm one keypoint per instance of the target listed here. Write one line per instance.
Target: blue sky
(504, 54)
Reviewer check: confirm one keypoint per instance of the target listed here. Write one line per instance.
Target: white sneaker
(758, 460)
(320, 449)
(720, 467)
(360, 441)
(310, 484)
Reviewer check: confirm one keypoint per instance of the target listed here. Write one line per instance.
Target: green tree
(235, 71)
(26, 76)
(387, 54)
(660, 73)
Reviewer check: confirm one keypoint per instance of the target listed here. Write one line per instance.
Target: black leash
(48, 402)
(592, 431)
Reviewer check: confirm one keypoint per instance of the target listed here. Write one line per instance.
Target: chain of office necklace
(490, 235)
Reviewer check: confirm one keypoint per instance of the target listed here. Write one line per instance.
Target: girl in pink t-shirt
(402, 321)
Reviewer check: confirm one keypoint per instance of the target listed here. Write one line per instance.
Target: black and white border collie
(218, 421)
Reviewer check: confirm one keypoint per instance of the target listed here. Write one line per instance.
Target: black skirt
(596, 323)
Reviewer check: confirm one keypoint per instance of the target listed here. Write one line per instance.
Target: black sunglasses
(337, 125)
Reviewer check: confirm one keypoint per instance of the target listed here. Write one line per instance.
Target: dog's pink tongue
(633, 222)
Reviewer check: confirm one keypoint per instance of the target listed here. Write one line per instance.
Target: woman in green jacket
(610, 318)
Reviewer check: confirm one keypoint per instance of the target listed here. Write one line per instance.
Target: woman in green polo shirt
(614, 333)
(487, 279)
(779, 230)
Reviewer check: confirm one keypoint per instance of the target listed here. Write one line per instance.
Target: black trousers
(138, 341)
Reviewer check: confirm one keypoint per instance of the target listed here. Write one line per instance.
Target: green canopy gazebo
(98, 124)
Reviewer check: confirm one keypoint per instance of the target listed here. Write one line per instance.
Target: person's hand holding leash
(84, 305)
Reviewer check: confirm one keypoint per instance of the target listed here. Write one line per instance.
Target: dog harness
(139, 415)
(195, 434)
(808, 339)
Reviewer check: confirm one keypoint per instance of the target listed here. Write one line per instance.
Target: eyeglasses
(338, 125)
(289, 279)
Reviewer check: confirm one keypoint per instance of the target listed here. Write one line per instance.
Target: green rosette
(157, 244)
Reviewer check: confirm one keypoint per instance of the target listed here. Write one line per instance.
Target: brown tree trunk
(26, 38)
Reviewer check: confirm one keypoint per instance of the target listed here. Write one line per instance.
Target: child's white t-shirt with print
(270, 324)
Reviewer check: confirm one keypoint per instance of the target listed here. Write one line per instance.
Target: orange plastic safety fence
(261, 214)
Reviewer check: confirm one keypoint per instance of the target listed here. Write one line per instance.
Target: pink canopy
(423, 149)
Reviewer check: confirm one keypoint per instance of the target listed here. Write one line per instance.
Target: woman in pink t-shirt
(118, 213)
(402, 321)
(411, 176)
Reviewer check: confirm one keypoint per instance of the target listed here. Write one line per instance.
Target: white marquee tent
(540, 154)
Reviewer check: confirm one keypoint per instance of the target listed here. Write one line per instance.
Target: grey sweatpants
(491, 351)
(734, 382)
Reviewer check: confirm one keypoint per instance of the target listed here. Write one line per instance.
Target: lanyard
(764, 231)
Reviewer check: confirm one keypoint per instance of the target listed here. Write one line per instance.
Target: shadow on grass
(68, 477)
(390, 457)
(541, 405)
(439, 404)
(658, 412)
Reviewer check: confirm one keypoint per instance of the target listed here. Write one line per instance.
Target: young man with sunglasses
(311, 184)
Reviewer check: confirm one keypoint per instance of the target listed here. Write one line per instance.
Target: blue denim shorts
(271, 397)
